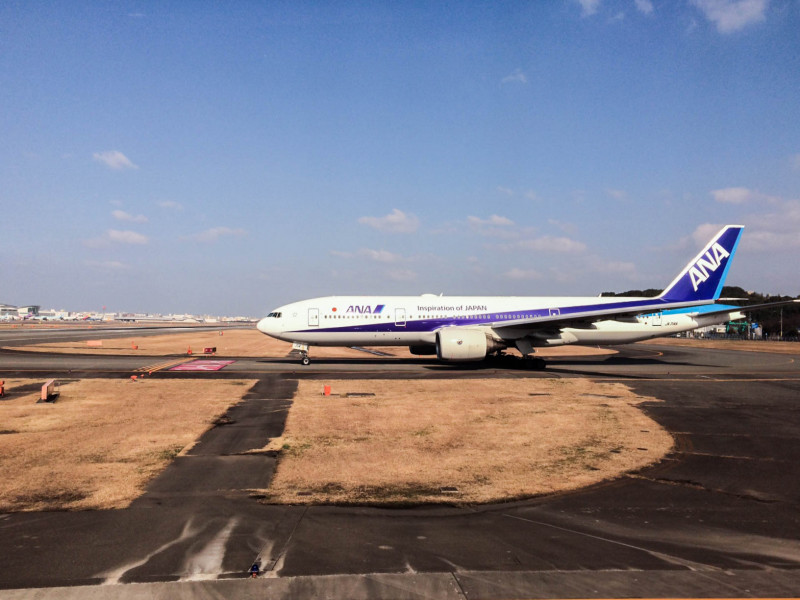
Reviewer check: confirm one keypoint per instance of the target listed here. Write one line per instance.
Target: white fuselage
(414, 320)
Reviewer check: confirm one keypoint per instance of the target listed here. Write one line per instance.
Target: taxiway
(717, 517)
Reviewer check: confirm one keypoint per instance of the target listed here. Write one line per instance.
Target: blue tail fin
(703, 277)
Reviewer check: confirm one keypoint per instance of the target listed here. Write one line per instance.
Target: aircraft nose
(264, 325)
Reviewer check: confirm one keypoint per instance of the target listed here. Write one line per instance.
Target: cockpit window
(275, 315)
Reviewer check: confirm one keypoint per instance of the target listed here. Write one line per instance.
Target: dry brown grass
(102, 441)
(492, 439)
(242, 343)
(233, 342)
(737, 345)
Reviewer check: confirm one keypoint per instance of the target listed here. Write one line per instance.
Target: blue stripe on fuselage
(529, 316)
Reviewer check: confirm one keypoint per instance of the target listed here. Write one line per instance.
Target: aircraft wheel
(306, 361)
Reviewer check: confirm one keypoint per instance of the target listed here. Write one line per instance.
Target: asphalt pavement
(718, 517)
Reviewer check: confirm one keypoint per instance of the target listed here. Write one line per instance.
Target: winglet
(704, 276)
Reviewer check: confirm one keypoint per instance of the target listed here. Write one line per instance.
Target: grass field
(100, 443)
(733, 345)
(491, 440)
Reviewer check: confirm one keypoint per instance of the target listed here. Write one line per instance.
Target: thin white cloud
(495, 226)
(771, 241)
(494, 220)
(589, 7)
(522, 274)
(733, 195)
(516, 77)
(549, 243)
(402, 275)
(382, 256)
(126, 237)
(395, 222)
(568, 228)
(114, 159)
(171, 205)
(115, 236)
(215, 233)
(614, 267)
(617, 194)
(111, 265)
(774, 230)
(531, 195)
(505, 190)
(620, 16)
(729, 16)
(704, 233)
(644, 6)
(121, 215)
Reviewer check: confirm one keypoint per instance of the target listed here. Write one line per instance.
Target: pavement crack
(695, 485)
(459, 587)
(727, 456)
(276, 564)
(660, 555)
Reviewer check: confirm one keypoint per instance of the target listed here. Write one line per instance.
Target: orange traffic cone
(189, 351)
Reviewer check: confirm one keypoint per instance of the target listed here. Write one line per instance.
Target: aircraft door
(554, 312)
(400, 317)
(657, 319)
(313, 317)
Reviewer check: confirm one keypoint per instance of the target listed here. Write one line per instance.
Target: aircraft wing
(579, 315)
(576, 317)
(749, 307)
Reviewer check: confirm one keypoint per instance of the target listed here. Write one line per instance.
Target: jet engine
(464, 344)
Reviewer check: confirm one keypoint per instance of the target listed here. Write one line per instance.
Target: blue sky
(225, 158)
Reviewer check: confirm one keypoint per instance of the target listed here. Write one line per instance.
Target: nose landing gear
(303, 350)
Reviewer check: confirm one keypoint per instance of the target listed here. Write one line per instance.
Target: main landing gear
(510, 361)
(303, 350)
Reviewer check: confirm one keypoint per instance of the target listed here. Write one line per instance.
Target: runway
(718, 517)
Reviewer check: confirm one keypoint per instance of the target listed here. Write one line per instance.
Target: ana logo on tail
(699, 270)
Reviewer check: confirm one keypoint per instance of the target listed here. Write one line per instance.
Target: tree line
(768, 318)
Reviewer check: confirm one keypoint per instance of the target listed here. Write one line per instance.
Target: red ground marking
(203, 365)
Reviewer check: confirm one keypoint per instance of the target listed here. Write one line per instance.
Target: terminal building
(9, 311)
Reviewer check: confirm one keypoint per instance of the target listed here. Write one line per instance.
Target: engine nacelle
(422, 350)
(463, 344)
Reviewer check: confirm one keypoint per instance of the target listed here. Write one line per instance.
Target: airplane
(470, 328)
